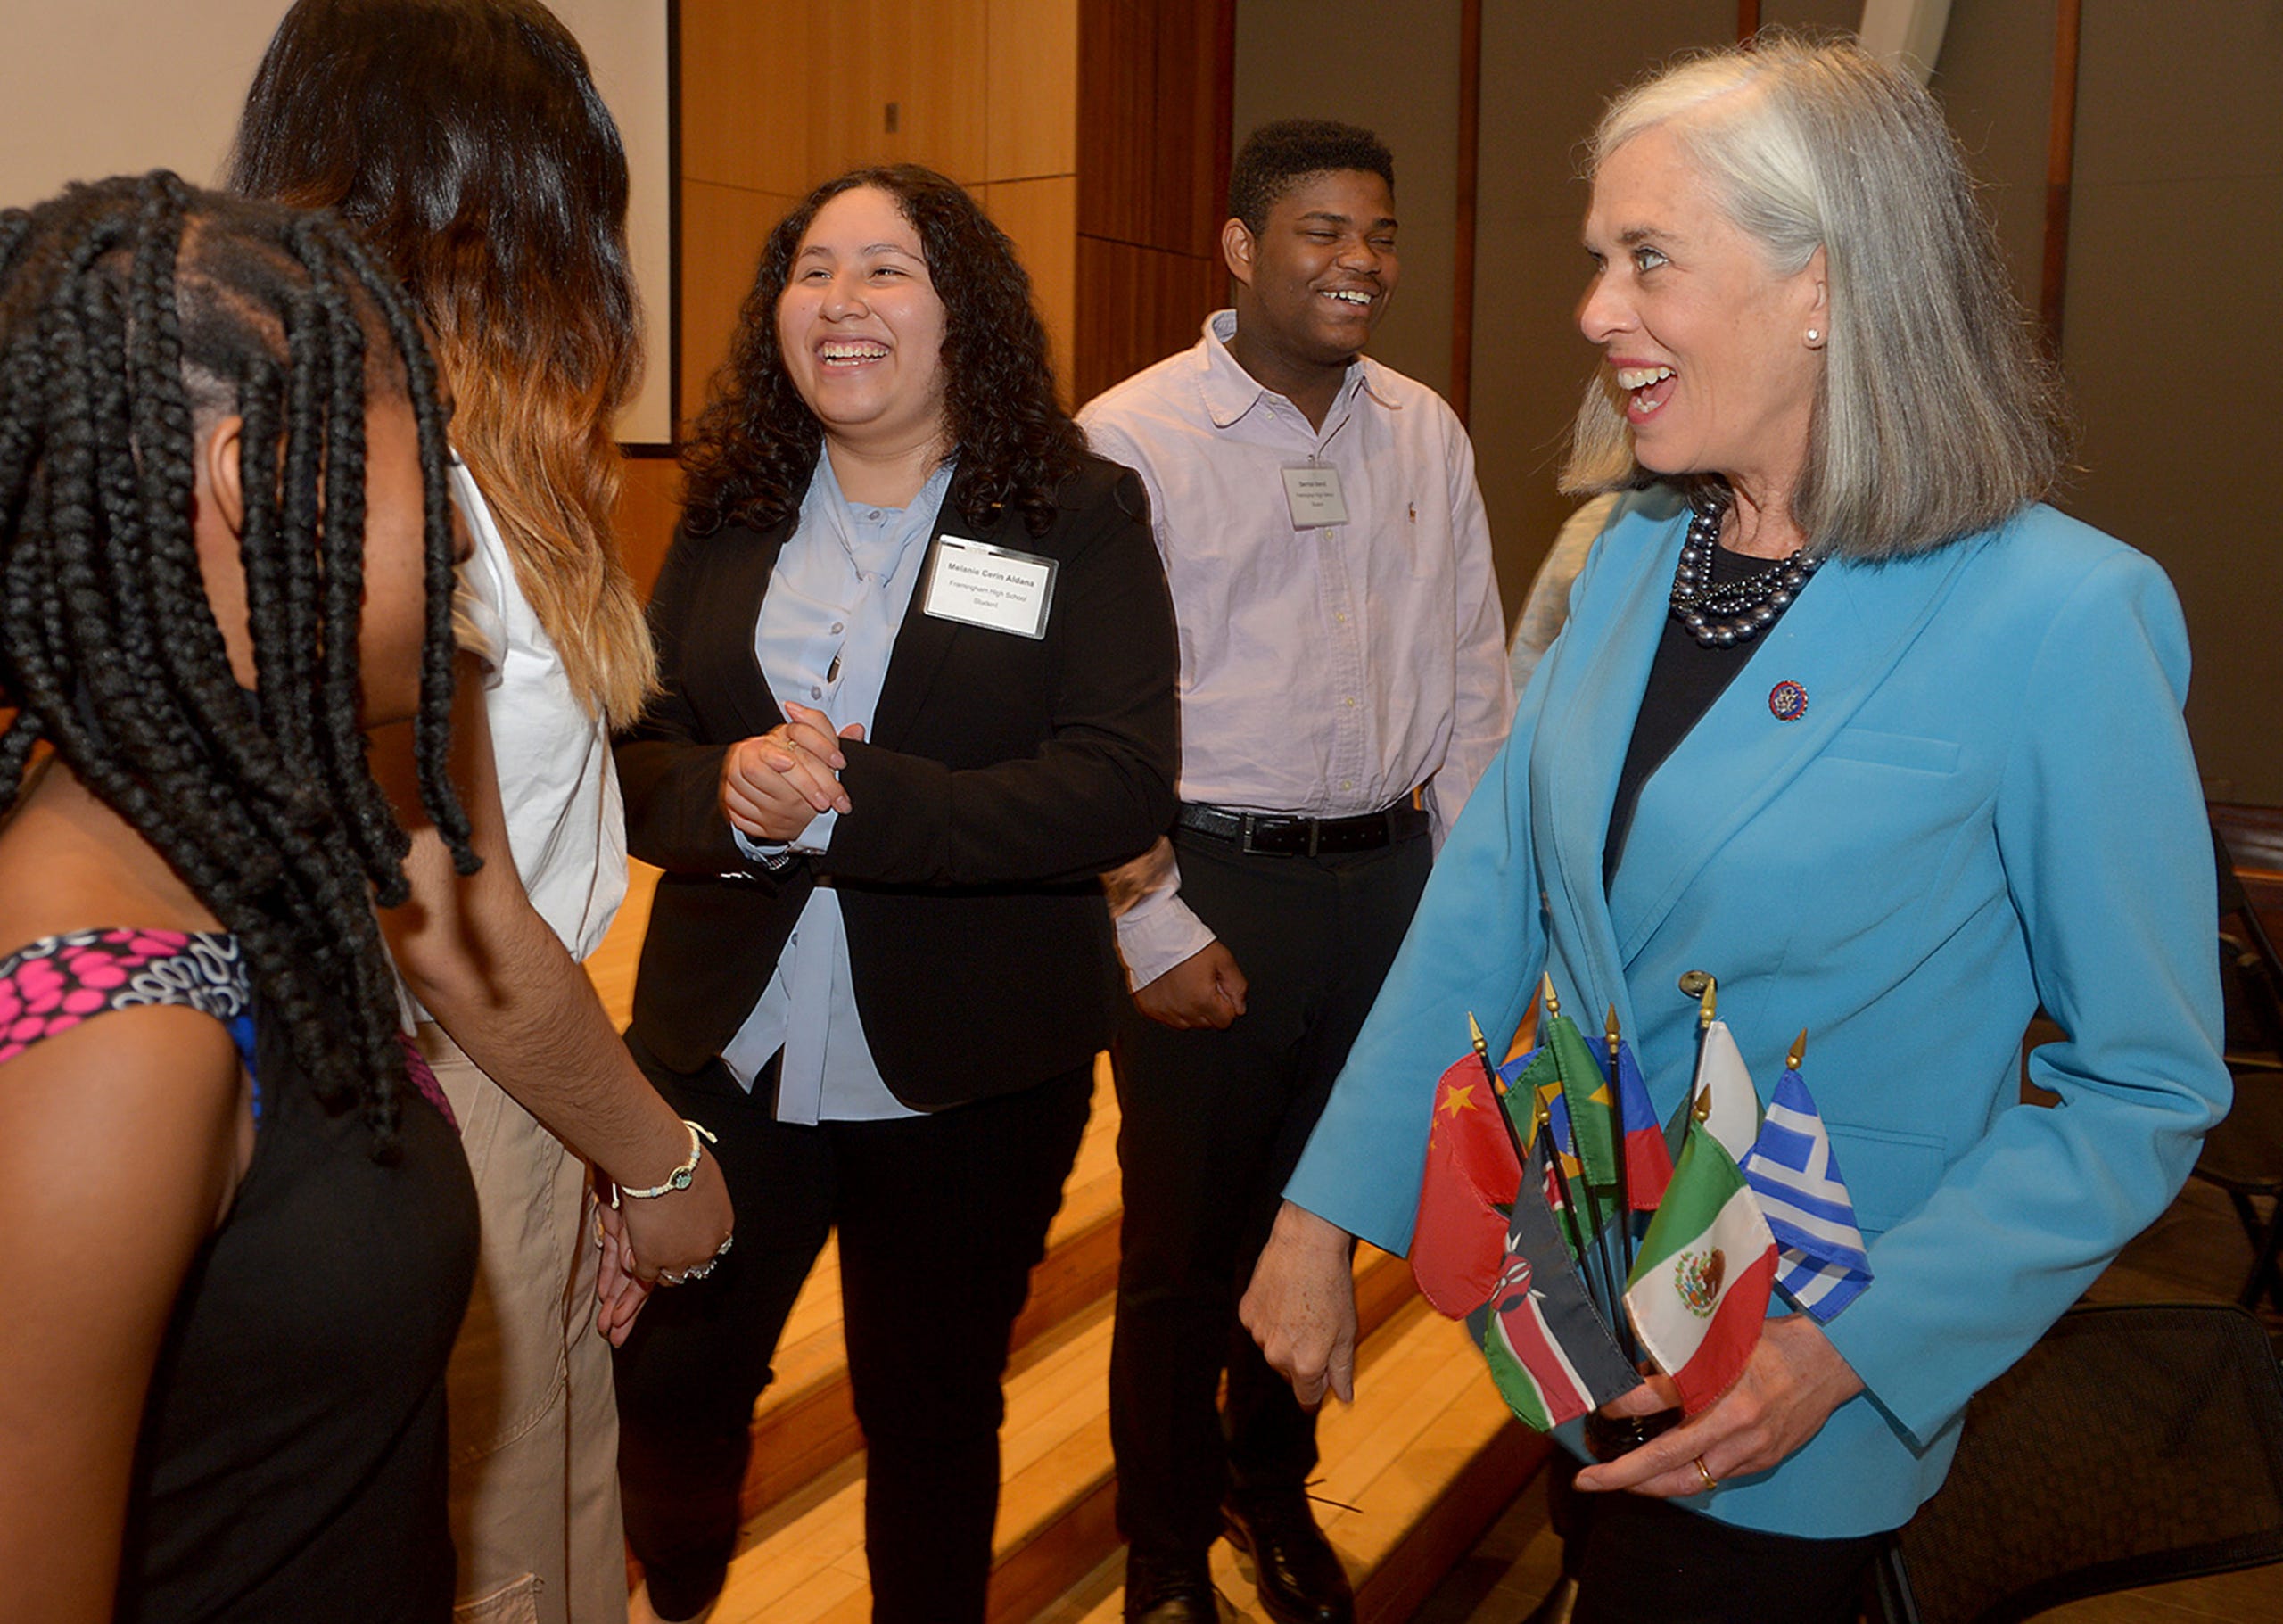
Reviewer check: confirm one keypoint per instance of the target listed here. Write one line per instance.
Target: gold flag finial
(1474, 1034)
(1709, 1004)
(1799, 1051)
(1552, 1004)
(1608, 1027)
(1702, 1109)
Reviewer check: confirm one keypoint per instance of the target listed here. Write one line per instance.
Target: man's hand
(1793, 1383)
(775, 784)
(1300, 1306)
(1205, 989)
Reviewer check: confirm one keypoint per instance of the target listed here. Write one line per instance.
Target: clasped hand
(1789, 1385)
(774, 785)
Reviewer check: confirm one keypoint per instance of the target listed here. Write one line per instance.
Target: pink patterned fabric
(56, 984)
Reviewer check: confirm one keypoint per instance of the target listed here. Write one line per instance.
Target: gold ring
(1710, 1482)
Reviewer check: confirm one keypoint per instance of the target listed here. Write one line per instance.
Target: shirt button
(836, 626)
(818, 693)
(874, 516)
(1343, 617)
(1349, 701)
(1347, 783)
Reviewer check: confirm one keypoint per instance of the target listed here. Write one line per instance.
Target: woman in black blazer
(919, 667)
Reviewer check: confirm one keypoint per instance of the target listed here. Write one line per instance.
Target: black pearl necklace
(1721, 614)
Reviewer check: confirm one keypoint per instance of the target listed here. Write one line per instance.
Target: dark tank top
(291, 1464)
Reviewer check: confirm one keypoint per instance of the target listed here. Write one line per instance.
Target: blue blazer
(1989, 803)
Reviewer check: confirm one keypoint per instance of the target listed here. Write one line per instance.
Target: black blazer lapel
(924, 640)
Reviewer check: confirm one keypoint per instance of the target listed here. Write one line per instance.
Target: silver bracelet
(680, 1178)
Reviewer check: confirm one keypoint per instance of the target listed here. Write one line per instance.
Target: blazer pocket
(1889, 1173)
(1904, 750)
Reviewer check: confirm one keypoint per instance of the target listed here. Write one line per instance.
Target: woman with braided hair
(241, 1227)
(465, 142)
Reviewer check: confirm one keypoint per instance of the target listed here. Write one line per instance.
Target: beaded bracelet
(680, 1178)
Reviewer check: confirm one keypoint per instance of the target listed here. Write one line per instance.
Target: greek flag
(1795, 1178)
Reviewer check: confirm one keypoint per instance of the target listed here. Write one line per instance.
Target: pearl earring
(1814, 336)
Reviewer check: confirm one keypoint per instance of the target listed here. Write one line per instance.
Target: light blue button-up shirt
(827, 623)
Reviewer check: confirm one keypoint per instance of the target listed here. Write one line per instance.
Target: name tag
(1316, 498)
(991, 587)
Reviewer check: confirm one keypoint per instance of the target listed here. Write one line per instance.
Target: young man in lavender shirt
(1343, 684)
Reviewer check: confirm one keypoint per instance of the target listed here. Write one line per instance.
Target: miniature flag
(1459, 1245)
(1549, 1353)
(1795, 1176)
(1538, 1074)
(1648, 1164)
(1586, 1092)
(1735, 1121)
(1700, 1289)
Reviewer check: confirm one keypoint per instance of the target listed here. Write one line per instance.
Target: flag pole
(1542, 1131)
(1584, 1174)
(1498, 1092)
(1616, 1115)
(1703, 986)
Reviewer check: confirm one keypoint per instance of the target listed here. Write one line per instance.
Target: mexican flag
(1700, 1290)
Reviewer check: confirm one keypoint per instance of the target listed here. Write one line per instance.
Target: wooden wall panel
(722, 228)
(1031, 113)
(1115, 170)
(1136, 305)
(1153, 140)
(746, 93)
(1189, 131)
(927, 58)
(1154, 89)
(649, 503)
(1042, 217)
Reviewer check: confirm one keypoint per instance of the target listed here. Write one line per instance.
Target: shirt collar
(1231, 393)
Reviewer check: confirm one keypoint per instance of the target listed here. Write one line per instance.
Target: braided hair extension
(133, 312)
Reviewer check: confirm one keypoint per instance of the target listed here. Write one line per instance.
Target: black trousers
(941, 1219)
(1212, 1125)
(1640, 1560)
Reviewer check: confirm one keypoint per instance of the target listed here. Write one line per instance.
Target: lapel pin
(1787, 701)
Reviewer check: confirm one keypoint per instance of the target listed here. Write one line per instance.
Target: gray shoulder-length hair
(1937, 415)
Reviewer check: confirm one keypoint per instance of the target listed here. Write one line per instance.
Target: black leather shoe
(1160, 1590)
(1295, 1568)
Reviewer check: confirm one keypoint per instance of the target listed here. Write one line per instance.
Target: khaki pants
(534, 1428)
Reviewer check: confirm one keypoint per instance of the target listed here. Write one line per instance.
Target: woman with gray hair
(1845, 716)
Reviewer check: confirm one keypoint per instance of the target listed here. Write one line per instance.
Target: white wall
(97, 87)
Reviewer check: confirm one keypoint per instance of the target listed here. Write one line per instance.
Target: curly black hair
(132, 312)
(1277, 156)
(756, 444)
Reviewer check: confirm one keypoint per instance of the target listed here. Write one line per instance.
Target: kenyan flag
(1699, 1291)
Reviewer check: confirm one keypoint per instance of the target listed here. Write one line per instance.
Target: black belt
(1278, 835)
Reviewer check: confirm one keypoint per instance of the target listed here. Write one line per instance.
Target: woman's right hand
(681, 1230)
(774, 785)
(1300, 1306)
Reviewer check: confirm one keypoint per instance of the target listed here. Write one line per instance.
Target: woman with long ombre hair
(466, 141)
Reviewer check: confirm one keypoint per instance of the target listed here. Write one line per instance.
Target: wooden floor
(1430, 1490)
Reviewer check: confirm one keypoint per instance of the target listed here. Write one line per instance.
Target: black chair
(2244, 1155)
(2136, 1443)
